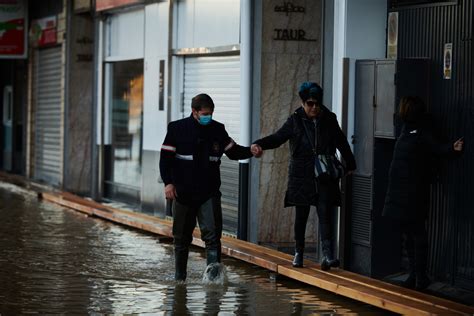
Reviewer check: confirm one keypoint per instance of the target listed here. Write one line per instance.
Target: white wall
(124, 36)
(359, 33)
(156, 49)
(208, 23)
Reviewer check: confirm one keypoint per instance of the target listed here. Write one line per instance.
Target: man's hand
(170, 192)
(256, 150)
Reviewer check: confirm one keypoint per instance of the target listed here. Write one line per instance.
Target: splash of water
(215, 273)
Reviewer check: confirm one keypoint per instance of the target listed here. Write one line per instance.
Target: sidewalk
(354, 286)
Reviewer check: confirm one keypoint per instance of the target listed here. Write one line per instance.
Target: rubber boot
(299, 254)
(327, 261)
(213, 256)
(180, 263)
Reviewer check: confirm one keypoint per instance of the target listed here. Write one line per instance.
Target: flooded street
(54, 260)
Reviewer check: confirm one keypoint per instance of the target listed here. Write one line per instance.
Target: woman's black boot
(328, 262)
(299, 254)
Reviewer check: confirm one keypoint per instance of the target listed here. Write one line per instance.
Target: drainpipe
(245, 112)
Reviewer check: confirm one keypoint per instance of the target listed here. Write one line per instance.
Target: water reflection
(54, 260)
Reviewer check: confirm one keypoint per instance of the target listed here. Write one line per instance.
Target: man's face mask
(205, 119)
(203, 116)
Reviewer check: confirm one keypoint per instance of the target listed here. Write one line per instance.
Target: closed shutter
(220, 78)
(48, 152)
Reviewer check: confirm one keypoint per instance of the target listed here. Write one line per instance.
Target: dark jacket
(411, 171)
(190, 158)
(302, 184)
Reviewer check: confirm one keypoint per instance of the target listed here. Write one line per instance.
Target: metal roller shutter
(48, 115)
(220, 78)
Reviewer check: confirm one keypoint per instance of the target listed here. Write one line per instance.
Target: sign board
(447, 60)
(82, 5)
(13, 24)
(101, 5)
(392, 35)
(43, 32)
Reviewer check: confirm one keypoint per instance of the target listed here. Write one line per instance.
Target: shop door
(48, 92)
(7, 127)
(123, 167)
(220, 78)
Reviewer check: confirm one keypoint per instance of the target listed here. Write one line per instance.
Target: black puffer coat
(411, 171)
(301, 180)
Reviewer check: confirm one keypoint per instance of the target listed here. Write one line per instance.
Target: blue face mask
(205, 119)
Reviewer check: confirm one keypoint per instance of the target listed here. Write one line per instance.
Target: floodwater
(58, 261)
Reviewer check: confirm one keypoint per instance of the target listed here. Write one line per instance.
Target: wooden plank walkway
(374, 292)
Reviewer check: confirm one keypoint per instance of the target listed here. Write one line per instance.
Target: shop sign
(43, 32)
(290, 34)
(101, 5)
(447, 61)
(12, 29)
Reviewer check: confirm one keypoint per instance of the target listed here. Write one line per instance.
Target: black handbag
(324, 165)
(328, 165)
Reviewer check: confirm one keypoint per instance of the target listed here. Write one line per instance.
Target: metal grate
(219, 76)
(361, 224)
(48, 151)
(423, 32)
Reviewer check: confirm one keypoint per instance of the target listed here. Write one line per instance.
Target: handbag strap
(314, 141)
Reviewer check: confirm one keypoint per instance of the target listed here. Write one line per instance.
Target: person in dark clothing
(313, 131)
(408, 192)
(190, 169)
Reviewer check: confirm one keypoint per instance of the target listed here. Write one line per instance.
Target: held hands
(170, 192)
(256, 150)
(458, 144)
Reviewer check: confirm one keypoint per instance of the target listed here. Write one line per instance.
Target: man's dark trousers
(209, 217)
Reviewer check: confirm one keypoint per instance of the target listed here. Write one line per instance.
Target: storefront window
(123, 157)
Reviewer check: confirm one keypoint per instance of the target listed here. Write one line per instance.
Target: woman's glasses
(311, 103)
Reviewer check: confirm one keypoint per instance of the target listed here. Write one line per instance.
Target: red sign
(43, 32)
(12, 29)
(101, 5)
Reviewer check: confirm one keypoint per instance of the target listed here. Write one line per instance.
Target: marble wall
(78, 130)
(291, 54)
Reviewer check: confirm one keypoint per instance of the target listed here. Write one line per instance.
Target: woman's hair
(311, 90)
(412, 108)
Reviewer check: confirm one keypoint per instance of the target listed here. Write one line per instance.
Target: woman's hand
(170, 192)
(256, 150)
(458, 144)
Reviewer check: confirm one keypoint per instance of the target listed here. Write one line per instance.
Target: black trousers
(209, 217)
(416, 245)
(323, 208)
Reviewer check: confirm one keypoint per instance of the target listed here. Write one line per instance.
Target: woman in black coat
(313, 131)
(408, 192)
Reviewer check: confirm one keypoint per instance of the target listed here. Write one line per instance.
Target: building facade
(87, 106)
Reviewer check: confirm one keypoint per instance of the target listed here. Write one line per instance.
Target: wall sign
(12, 29)
(392, 35)
(43, 32)
(288, 7)
(448, 61)
(288, 34)
(161, 87)
(101, 5)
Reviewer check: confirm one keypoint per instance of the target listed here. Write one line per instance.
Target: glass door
(123, 159)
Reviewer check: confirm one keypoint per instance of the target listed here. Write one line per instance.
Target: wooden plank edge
(404, 292)
(359, 292)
